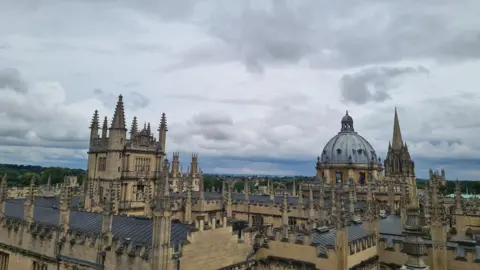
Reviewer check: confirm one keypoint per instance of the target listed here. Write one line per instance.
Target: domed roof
(348, 146)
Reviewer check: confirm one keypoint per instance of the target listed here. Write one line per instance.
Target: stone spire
(65, 199)
(270, 190)
(94, 126)
(3, 195)
(188, 201)
(333, 206)
(176, 166)
(118, 121)
(149, 129)
(391, 195)
(228, 207)
(300, 201)
(458, 199)
(148, 199)
(398, 162)
(104, 241)
(438, 227)
(413, 244)
(321, 203)
(397, 141)
(162, 222)
(355, 198)
(371, 213)
(342, 213)
(311, 204)
(162, 133)
(246, 189)
(340, 218)
(285, 210)
(181, 181)
(294, 189)
(28, 205)
(134, 129)
(224, 193)
(201, 187)
(427, 204)
(105, 128)
(351, 202)
(194, 165)
(404, 202)
(437, 207)
(49, 182)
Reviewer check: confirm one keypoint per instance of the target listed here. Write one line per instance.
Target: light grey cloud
(28, 111)
(373, 84)
(251, 79)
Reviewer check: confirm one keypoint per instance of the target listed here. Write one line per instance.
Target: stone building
(128, 166)
(339, 227)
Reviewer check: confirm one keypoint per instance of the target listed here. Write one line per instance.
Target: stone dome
(348, 147)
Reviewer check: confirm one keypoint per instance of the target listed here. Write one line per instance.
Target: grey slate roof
(355, 232)
(138, 230)
(262, 199)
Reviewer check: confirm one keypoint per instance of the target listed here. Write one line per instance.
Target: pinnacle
(397, 141)
(118, 121)
(134, 128)
(94, 120)
(163, 122)
(105, 123)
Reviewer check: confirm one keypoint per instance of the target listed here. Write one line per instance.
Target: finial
(118, 121)
(346, 113)
(94, 124)
(163, 122)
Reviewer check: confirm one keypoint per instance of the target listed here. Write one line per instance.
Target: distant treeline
(20, 175)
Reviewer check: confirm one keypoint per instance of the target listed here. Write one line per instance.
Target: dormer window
(339, 151)
(360, 151)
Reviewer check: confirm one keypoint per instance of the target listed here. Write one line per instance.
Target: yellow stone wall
(397, 257)
(463, 222)
(214, 249)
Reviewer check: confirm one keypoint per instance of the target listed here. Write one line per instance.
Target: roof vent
(322, 229)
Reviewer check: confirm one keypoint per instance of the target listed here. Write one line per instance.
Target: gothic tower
(117, 134)
(398, 163)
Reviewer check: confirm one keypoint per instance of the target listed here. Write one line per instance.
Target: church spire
(105, 128)
(397, 141)
(134, 129)
(118, 121)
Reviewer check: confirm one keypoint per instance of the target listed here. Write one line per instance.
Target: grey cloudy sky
(252, 86)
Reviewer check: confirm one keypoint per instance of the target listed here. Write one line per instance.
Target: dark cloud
(212, 118)
(5, 46)
(373, 84)
(137, 100)
(340, 34)
(10, 78)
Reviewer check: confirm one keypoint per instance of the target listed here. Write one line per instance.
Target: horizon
(233, 174)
